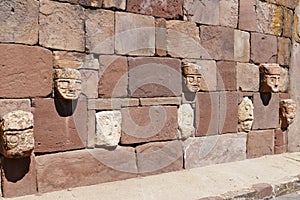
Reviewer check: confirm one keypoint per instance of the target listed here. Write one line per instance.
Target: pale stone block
(100, 31)
(91, 128)
(160, 101)
(108, 128)
(119, 4)
(186, 121)
(89, 83)
(64, 59)
(284, 80)
(247, 77)
(241, 46)
(229, 11)
(110, 104)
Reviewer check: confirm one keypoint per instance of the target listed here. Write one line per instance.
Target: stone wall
(135, 116)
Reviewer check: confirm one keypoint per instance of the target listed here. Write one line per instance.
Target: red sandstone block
(26, 71)
(226, 76)
(145, 124)
(55, 129)
(280, 137)
(263, 190)
(263, 48)
(247, 15)
(260, 143)
(284, 53)
(228, 119)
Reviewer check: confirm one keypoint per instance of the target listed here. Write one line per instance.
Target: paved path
(189, 184)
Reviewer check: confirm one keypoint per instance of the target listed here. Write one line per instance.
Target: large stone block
(226, 76)
(247, 15)
(25, 71)
(218, 42)
(113, 76)
(171, 9)
(61, 26)
(228, 119)
(154, 77)
(100, 31)
(229, 11)
(119, 4)
(19, 22)
(84, 167)
(214, 150)
(263, 48)
(241, 46)
(260, 143)
(59, 125)
(284, 53)
(89, 83)
(135, 34)
(9, 105)
(247, 77)
(145, 124)
(288, 17)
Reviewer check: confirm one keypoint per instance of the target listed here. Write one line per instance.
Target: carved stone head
(67, 83)
(245, 114)
(192, 76)
(287, 112)
(17, 140)
(269, 77)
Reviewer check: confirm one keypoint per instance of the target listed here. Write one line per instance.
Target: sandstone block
(111, 104)
(263, 48)
(90, 3)
(284, 53)
(119, 4)
(287, 3)
(25, 71)
(226, 76)
(207, 150)
(9, 105)
(91, 128)
(287, 23)
(154, 77)
(64, 59)
(89, 83)
(260, 143)
(20, 21)
(186, 121)
(229, 11)
(161, 37)
(61, 26)
(167, 9)
(100, 31)
(263, 190)
(135, 34)
(247, 77)
(145, 124)
(113, 76)
(228, 119)
(284, 80)
(160, 101)
(241, 46)
(247, 15)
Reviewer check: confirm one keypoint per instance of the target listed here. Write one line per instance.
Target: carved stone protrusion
(186, 121)
(67, 83)
(245, 114)
(192, 76)
(287, 112)
(17, 139)
(269, 77)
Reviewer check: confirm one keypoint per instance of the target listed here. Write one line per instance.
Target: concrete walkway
(224, 180)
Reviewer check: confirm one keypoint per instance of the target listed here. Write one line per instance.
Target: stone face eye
(13, 139)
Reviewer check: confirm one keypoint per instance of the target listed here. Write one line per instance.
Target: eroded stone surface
(247, 77)
(229, 10)
(9, 105)
(91, 3)
(119, 4)
(284, 53)
(284, 80)
(186, 121)
(241, 46)
(260, 143)
(287, 112)
(245, 114)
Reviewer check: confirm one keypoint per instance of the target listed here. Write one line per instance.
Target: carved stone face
(245, 114)
(192, 77)
(67, 83)
(17, 134)
(287, 111)
(270, 78)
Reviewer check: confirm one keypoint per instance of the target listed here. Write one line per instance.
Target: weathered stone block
(167, 9)
(90, 3)
(263, 190)
(154, 77)
(119, 4)
(111, 104)
(160, 101)
(228, 119)
(135, 34)
(284, 80)
(263, 48)
(145, 124)
(113, 76)
(64, 59)
(247, 77)
(260, 143)
(161, 37)
(159, 157)
(25, 71)
(100, 31)
(284, 53)
(61, 26)
(280, 137)
(186, 121)
(218, 42)
(229, 11)
(226, 76)
(214, 149)
(20, 21)
(204, 12)
(247, 15)
(287, 3)
(288, 16)
(9, 105)
(89, 83)
(241, 46)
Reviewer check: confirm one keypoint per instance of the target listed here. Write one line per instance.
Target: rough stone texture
(61, 26)
(154, 77)
(161, 37)
(64, 59)
(18, 176)
(111, 104)
(108, 128)
(247, 15)
(247, 77)
(284, 80)
(100, 31)
(287, 3)
(218, 42)
(119, 4)
(241, 46)
(135, 34)
(186, 121)
(25, 71)
(89, 83)
(266, 112)
(54, 127)
(260, 143)
(90, 3)
(284, 53)
(288, 16)
(245, 114)
(280, 141)
(226, 76)
(188, 34)
(171, 9)
(202, 11)
(214, 149)
(19, 22)
(159, 157)
(160, 101)
(229, 11)
(9, 105)
(228, 119)
(263, 48)
(207, 113)
(113, 76)
(263, 190)
(57, 171)
(145, 124)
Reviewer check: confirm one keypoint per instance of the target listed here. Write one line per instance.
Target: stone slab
(111, 104)
(160, 101)
(226, 76)
(260, 143)
(247, 77)
(263, 48)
